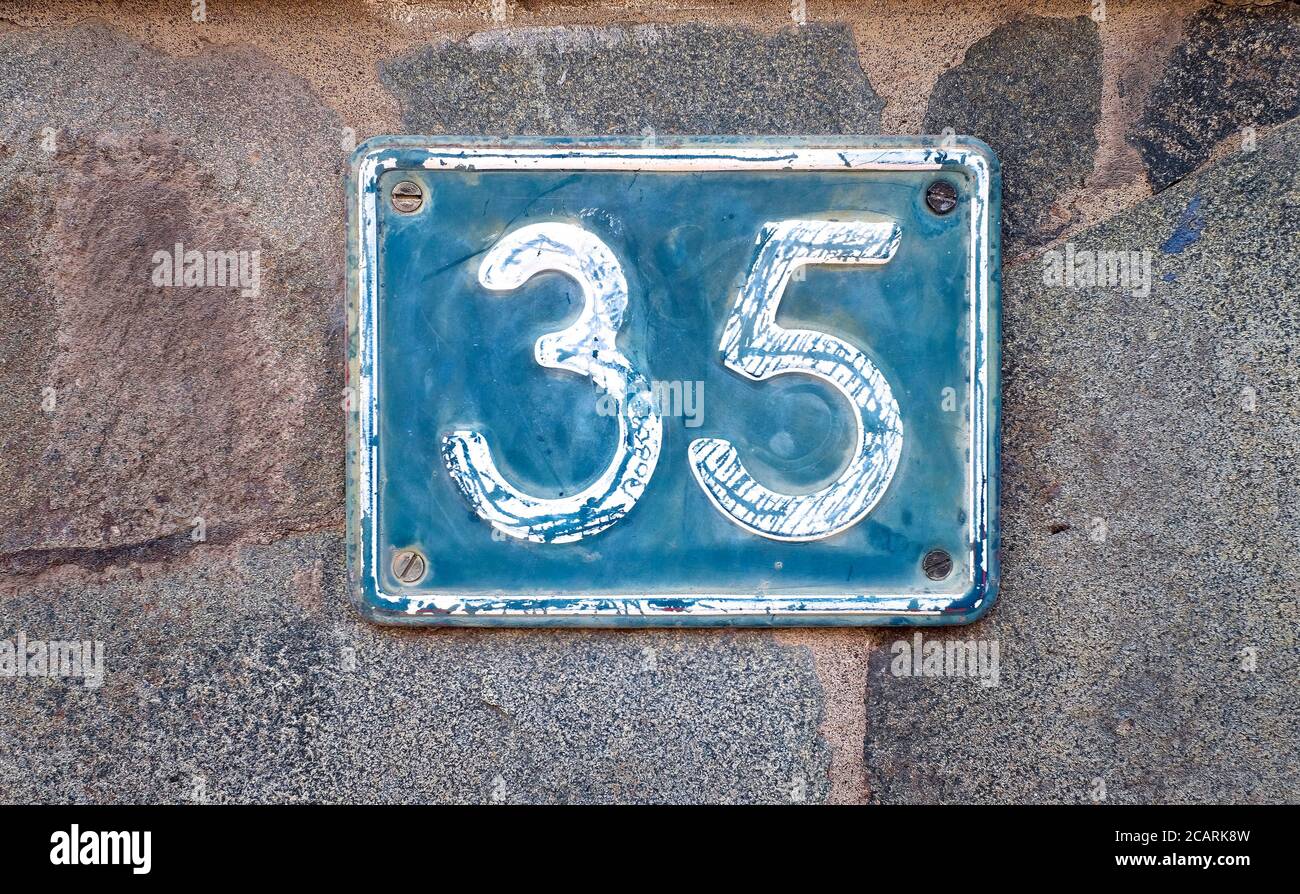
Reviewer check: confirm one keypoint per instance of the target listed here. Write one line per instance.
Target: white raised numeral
(587, 347)
(756, 347)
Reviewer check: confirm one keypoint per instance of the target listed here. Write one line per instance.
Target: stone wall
(1147, 623)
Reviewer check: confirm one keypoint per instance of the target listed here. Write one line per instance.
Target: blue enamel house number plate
(711, 381)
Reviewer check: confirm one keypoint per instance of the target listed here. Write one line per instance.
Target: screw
(407, 197)
(937, 564)
(408, 565)
(941, 197)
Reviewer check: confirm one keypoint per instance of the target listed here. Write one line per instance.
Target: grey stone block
(1237, 66)
(248, 677)
(1032, 91)
(169, 403)
(672, 79)
(1173, 420)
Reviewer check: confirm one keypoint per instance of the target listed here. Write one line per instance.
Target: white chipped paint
(775, 605)
(754, 345)
(367, 409)
(587, 347)
(650, 158)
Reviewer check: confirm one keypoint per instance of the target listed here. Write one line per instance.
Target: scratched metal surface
(451, 356)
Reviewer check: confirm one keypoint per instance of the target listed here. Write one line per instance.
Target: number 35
(752, 344)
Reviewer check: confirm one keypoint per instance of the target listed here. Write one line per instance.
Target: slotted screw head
(407, 196)
(941, 197)
(937, 564)
(408, 566)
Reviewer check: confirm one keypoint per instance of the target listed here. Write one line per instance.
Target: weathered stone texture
(646, 79)
(168, 403)
(1032, 91)
(1236, 67)
(227, 666)
(1151, 515)
(249, 678)
(237, 669)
